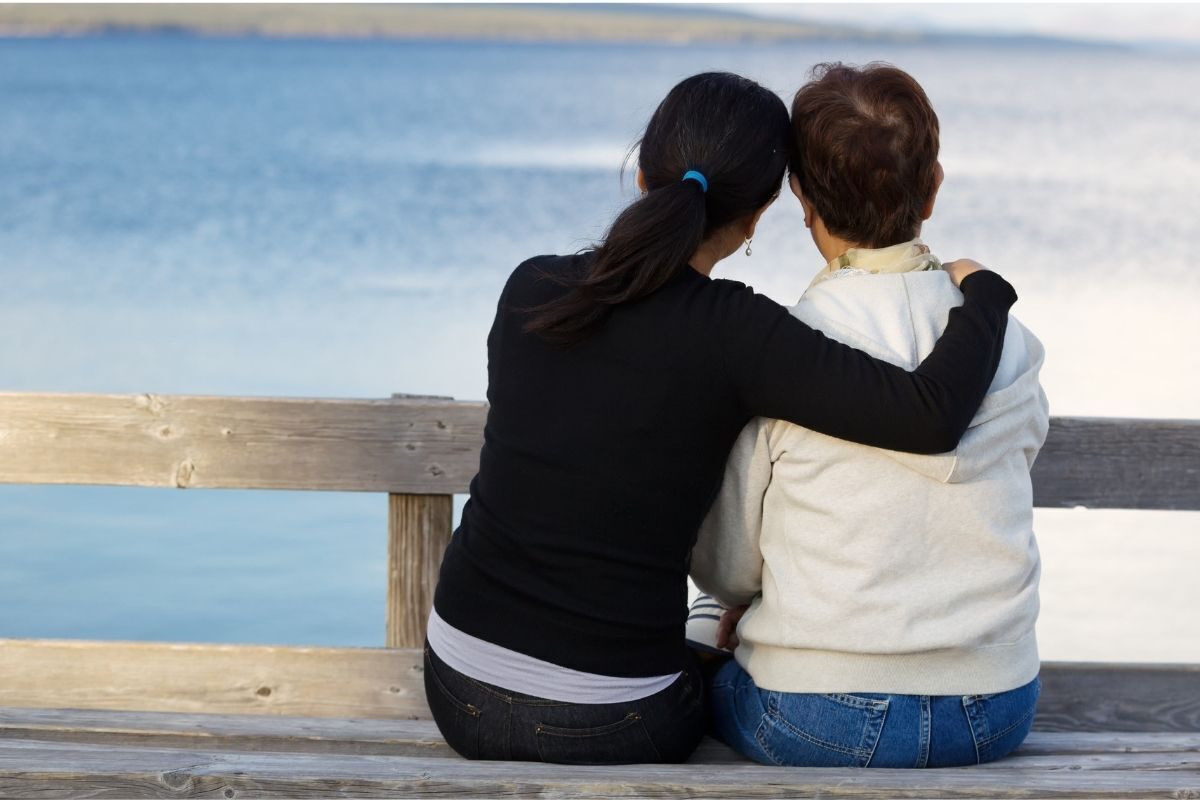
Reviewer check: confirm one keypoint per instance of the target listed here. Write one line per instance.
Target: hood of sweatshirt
(1014, 414)
(899, 317)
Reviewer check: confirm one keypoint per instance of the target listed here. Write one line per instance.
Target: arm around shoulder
(785, 369)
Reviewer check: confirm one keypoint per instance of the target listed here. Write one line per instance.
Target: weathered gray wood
(418, 532)
(220, 679)
(237, 732)
(39, 769)
(385, 683)
(431, 446)
(1130, 697)
(229, 732)
(1119, 463)
(1106, 762)
(252, 733)
(398, 445)
(1041, 742)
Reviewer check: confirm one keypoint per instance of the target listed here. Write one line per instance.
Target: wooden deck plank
(1076, 742)
(252, 733)
(1111, 762)
(43, 770)
(242, 732)
(404, 445)
(421, 737)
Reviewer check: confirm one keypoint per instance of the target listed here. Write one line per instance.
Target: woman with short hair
(892, 596)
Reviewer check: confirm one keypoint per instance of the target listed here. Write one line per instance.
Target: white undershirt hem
(518, 672)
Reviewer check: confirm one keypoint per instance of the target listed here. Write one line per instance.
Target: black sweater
(601, 459)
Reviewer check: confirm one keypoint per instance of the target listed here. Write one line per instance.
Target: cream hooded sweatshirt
(870, 570)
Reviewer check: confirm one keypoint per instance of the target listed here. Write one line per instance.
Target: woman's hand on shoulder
(961, 268)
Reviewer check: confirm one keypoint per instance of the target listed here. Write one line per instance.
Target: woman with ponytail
(619, 379)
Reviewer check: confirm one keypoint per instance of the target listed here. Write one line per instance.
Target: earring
(748, 250)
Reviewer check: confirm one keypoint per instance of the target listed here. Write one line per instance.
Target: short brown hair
(865, 148)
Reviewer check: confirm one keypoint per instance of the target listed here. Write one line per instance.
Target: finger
(960, 268)
(722, 633)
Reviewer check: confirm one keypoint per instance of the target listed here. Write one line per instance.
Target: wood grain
(1119, 463)
(254, 733)
(232, 732)
(1130, 697)
(41, 769)
(418, 445)
(418, 532)
(219, 679)
(396, 445)
(385, 683)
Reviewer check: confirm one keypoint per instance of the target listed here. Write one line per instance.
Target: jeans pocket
(457, 719)
(1000, 722)
(820, 730)
(624, 741)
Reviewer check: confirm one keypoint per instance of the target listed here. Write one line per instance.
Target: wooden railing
(420, 451)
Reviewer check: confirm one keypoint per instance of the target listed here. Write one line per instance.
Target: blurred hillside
(517, 23)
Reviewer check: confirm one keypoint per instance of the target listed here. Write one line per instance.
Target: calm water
(335, 219)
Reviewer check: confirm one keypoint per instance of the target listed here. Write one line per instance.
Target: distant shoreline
(500, 23)
(594, 23)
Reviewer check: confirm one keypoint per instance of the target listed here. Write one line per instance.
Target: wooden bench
(113, 719)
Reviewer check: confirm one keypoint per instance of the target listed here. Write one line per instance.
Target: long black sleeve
(600, 459)
(787, 370)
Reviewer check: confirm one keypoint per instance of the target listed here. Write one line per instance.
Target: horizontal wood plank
(1046, 743)
(420, 738)
(398, 445)
(1132, 697)
(1119, 463)
(217, 679)
(372, 683)
(40, 769)
(255, 733)
(235, 732)
(431, 446)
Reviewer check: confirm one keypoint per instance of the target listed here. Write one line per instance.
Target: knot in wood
(151, 402)
(436, 471)
(179, 779)
(183, 475)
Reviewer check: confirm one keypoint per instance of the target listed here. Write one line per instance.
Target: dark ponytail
(728, 128)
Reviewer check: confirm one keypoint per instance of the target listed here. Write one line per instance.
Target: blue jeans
(482, 721)
(868, 730)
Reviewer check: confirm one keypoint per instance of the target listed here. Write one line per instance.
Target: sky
(1165, 23)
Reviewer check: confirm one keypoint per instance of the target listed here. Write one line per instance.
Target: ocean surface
(323, 218)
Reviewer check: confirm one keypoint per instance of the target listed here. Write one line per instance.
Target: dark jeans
(481, 721)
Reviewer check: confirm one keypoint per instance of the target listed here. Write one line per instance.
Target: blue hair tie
(693, 175)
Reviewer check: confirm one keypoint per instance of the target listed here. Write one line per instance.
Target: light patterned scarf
(911, 256)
